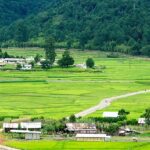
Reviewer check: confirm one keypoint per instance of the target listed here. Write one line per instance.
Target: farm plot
(54, 145)
(61, 92)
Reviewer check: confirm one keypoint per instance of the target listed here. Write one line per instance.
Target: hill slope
(114, 25)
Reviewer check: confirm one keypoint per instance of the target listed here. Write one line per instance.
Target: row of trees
(65, 61)
(6, 55)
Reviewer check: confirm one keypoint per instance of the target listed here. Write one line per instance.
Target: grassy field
(54, 145)
(59, 92)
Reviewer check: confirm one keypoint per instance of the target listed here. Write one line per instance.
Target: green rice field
(54, 145)
(58, 93)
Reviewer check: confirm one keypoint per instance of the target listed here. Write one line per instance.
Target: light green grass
(136, 105)
(54, 145)
(60, 92)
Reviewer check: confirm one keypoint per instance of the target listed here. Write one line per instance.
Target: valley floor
(67, 145)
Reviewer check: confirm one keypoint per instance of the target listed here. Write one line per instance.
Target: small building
(83, 66)
(141, 121)
(28, 135)
(26, 67)
(126, 131)
(14, 60)
(110, 114)
(31, 125)
(9, 126)
(92, 137)
(2, 64)
(82, 128)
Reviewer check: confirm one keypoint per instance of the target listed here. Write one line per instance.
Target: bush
(112, 129)
(72, 118)
(66, 60)
(90, 63)
(45, 64)
(132, 122)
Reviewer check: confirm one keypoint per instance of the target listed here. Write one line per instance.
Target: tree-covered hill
(11, 10)
(110, 25)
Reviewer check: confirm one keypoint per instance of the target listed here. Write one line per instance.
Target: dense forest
(108, 25)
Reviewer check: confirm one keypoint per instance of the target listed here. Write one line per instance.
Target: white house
(26, 67)
(110, 114)
(31, 125)
(141, 121)
(8, 126)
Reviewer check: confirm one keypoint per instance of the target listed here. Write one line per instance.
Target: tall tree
(147, 116)
(66, 60)
(50, 53)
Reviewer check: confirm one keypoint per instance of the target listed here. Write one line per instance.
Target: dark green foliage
(88, 24)
(32, 63)
(66, 60)
(37, 58)
(109, 120)
(6, 55)
(112, 129)
(132, 122)
(21, 32)
(45, 64)
(53, 126)
(50, 50)
(72, 118)
(123, 112)
(147, 116)
(18, 67)
(90, 63)
(146, 50)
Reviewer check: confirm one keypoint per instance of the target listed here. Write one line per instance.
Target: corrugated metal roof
(31, 125)
(80, 126)
(10, 125)
(91, 136)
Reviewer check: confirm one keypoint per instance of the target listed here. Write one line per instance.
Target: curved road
(6, 148)
(106, 102)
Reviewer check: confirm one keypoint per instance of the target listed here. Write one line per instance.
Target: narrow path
(106, 102)
(6, 148)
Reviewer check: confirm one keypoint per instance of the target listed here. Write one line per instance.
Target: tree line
(108, 25)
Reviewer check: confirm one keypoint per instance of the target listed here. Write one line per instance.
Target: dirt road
(6, 148)
(106, 102)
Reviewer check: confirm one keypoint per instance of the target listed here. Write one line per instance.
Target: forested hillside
(109, 25)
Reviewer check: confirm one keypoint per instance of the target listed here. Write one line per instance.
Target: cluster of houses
(30, 130)
(86, 132)
(82, 131)
(25, 63)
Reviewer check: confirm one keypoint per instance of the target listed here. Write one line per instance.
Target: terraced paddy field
(54, 145)
(58, 93)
